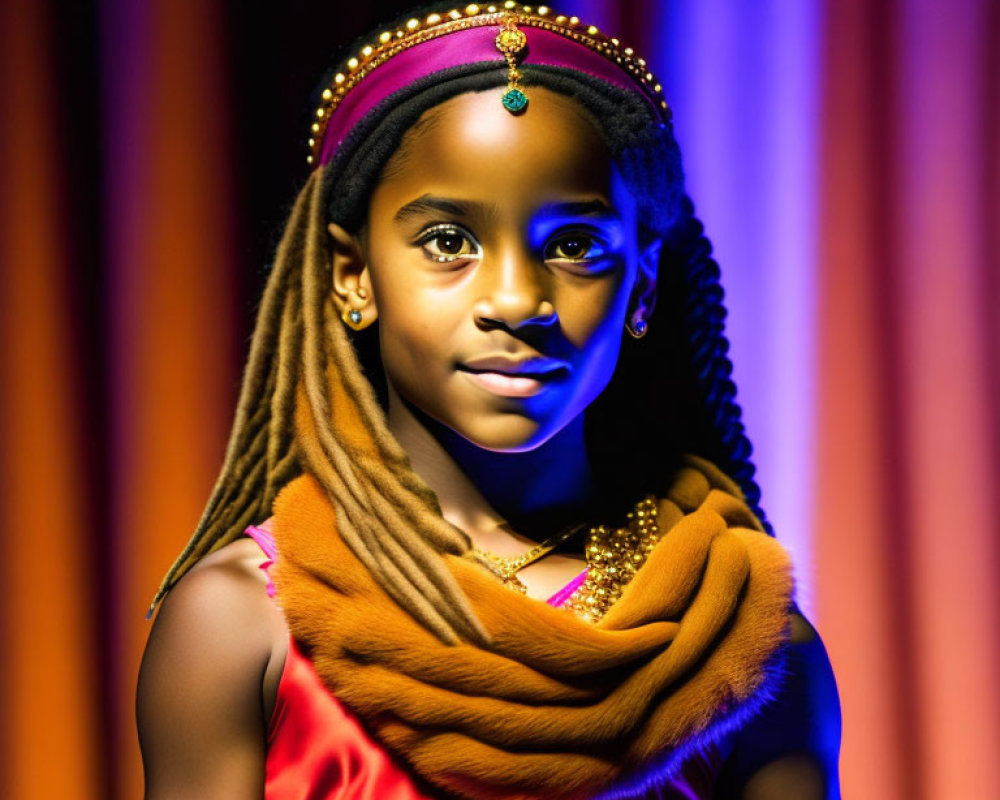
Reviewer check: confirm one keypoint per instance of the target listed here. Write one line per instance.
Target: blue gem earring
(637, 329)
(511, 42)
(353, 318)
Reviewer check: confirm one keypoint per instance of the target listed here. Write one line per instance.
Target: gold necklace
(507, 567)
(613, 556)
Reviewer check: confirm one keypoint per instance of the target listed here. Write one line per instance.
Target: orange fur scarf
(555, 707)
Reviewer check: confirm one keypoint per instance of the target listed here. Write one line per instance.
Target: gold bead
(561, 19)
(509, 4)
(315, 127)
(628, 51)
(455, 14)
(491, 9)
(592, 30)
(312, 142)
(574, 20)
(649, 76)
(327, 94)
(543, 10)
(433, 19)
(319, 113)
(352, 63)
(366, 50)
(412, 24)
(511, 41)
(472, 9)
(615, 41)
(385, 37)
(309, 159)
(657, 88)
(339, 78)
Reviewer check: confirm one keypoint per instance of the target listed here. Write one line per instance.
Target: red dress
(318, 750)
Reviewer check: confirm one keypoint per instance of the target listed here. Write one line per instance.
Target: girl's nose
(514, 293)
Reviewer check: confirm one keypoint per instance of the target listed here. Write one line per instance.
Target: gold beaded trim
(416, 31)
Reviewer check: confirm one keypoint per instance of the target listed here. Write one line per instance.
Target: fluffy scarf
(554, 707)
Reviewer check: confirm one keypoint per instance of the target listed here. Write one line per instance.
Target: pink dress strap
(266, 543)
(560, 597)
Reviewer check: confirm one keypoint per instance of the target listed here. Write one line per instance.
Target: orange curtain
(172, 313)
(48, 680)
(80, 569)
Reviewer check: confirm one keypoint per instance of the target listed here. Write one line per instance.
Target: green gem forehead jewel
(511, 42)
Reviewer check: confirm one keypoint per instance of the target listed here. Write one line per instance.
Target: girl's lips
(507, 385)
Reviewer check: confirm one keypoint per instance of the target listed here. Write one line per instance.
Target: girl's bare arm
(791, 751)
(199, 704)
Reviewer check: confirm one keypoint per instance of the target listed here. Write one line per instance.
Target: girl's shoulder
(222, 587)
(219, 609)
(216, 634)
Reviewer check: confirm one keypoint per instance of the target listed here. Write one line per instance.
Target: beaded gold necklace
(613, 556)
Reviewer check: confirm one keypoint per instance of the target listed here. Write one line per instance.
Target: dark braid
(704, 316)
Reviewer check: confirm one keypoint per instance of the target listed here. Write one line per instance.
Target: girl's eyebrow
(428, 204)
(587, 208)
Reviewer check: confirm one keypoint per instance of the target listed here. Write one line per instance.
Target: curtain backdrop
(844, 157)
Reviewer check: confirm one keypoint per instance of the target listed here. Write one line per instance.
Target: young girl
(516, 549)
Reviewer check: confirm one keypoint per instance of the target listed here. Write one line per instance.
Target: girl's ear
(644, 292)
(351, 278)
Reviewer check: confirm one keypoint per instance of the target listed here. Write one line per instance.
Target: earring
(638, 328)
(353, 318)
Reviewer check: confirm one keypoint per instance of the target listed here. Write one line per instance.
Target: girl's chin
(513, 433)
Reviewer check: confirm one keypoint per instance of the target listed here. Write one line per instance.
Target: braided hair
(306, 375)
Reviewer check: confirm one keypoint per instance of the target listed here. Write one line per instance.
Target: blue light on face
(589, 237)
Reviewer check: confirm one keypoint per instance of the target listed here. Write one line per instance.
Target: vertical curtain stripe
(907, 464)
(171, 288)
(858, 538)
(48, 711)
(947, 461)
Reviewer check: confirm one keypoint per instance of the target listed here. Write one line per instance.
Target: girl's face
(501, 258)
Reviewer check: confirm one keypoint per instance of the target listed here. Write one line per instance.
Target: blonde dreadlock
(303, 373)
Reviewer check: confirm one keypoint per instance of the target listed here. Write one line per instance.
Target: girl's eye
(445, 243)
(575, 246)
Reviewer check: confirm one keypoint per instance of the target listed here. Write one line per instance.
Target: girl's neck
(532, 493)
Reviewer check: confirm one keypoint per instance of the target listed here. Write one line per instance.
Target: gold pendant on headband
(510, 41)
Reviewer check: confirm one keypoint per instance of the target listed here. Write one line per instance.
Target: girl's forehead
(471, 141)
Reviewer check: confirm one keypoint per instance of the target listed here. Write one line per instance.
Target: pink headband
(470, 36)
